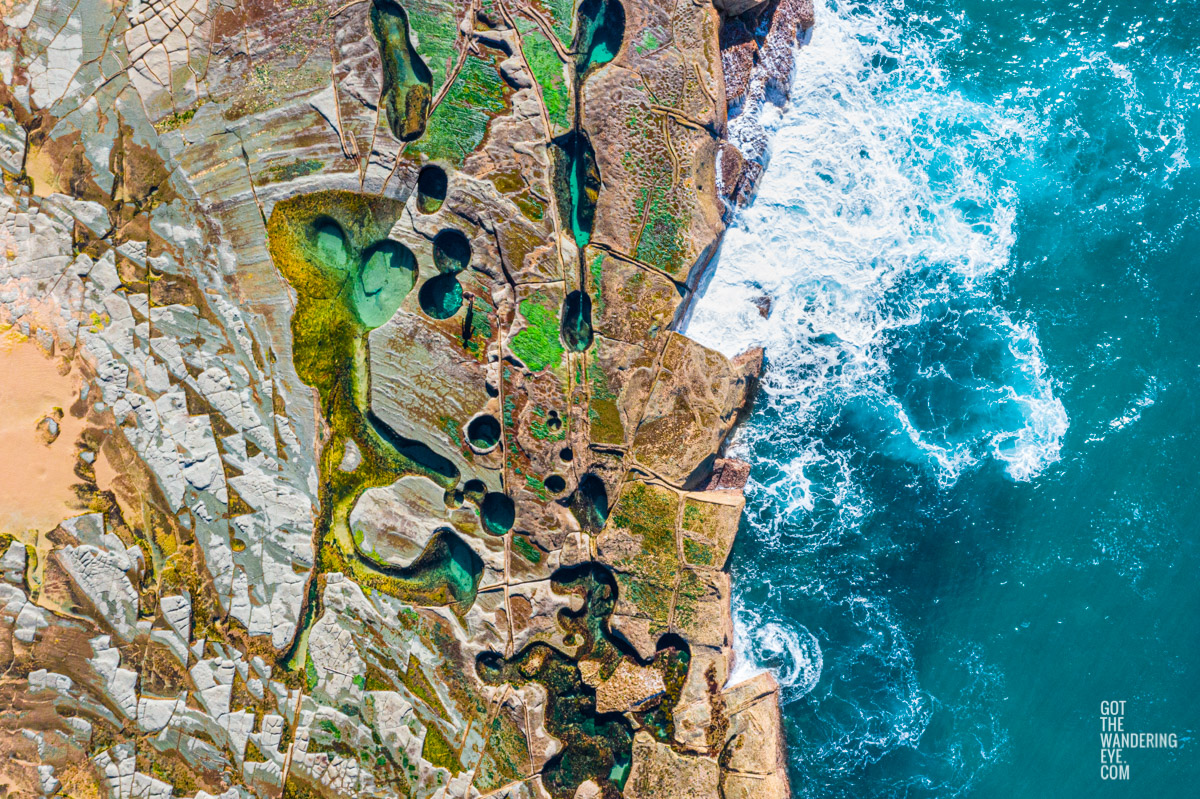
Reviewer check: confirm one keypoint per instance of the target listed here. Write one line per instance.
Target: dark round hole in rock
(577, 321)
(553, 422)
(498, 513)
(381, 260)
(431, 189)
(589, 503)
(555, 484)
(451, 251)
(566, 454)
(441, 296)
(484, 432)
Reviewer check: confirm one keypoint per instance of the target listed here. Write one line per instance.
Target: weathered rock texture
(758, 44)
(388, 476)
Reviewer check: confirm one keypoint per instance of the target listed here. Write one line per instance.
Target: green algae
(657, 199)
(439, 751)
(434, 25)
(538, 345)
(538, 487)
(648, 512)
(697, 553)
(506, 753)
(281, 173)
(458, 125)
(648, 43)
(414, 679)
(546, 427)
(550, 73)
(526, 550)
(560, 14)
(596, 273)
(603, 411)
(663, 241)
(647, 573)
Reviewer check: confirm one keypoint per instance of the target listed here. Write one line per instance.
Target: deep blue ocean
(973, 514)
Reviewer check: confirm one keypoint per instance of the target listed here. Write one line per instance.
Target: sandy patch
(35, 477)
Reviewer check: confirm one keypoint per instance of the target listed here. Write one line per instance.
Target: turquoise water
(972, 515)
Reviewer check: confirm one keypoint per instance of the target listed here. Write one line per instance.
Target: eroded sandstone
(379, 469)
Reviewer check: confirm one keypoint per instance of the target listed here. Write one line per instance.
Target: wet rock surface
(758, 40)
(389, 476)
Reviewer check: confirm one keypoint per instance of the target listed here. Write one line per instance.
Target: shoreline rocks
(393, 476)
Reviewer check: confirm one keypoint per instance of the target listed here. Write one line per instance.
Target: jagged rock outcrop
(758, 43)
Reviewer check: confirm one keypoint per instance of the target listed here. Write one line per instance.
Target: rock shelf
(390, 475)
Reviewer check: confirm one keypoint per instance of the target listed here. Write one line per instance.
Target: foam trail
(780, 645)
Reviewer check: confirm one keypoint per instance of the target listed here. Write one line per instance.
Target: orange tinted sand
(35, 478)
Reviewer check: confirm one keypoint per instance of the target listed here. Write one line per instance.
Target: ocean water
(973, 513)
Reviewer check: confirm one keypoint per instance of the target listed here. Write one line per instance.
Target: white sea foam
(1147, 399)
(879, 224)
(791, 652)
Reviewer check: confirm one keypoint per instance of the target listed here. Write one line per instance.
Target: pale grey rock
(177, 610)
(397, 724)
(120, 684)
(154, 715)
(214, 684)
(588, 790)
(20, 17)
(101, 576)
(28, 622)
(352, 457)
(416, 383)
(47, 781)
(43, 680)
(396, 522)
(12, 565)
(51, 74)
